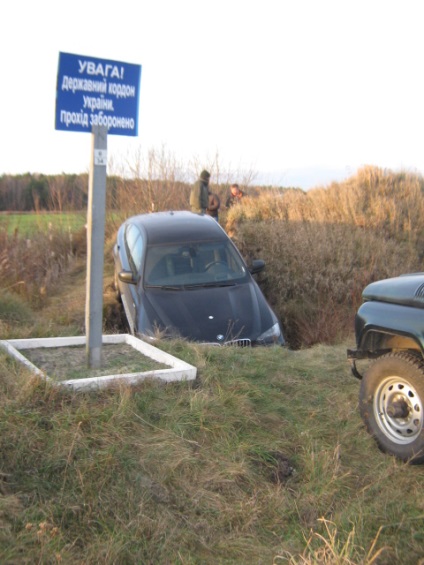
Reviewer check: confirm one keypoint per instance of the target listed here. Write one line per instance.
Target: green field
(28, 223)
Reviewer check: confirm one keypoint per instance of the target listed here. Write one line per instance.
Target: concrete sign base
(178, 371)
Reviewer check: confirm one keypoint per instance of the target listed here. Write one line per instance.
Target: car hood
(407, 290)
(214, 315)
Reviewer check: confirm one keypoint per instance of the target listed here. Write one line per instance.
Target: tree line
(36, 192)
(69, 192)
(61, 193)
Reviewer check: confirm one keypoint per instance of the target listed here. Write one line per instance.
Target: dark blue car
(178, 274)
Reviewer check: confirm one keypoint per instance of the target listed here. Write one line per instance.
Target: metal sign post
(97, 96)
(95, 246)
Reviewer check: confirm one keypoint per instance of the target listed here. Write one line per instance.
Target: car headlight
(272, 335)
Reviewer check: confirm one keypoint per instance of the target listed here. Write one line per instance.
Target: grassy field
(27, 224)
(263, 459)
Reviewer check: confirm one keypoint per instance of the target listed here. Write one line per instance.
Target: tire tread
(415, 364)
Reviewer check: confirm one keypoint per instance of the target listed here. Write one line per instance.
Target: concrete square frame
(178, 370)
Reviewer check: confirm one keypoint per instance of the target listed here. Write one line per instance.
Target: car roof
(179, 226)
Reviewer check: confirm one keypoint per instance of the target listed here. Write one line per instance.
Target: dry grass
(262, 460)
(315, 273)
(31, 266)
(323, 247)
(374, 198)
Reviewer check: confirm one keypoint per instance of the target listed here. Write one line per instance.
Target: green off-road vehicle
(389, 328)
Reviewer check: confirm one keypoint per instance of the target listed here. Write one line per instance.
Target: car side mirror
(127, 277)
(257, 266)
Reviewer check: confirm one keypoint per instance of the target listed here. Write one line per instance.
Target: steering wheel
(216, 263)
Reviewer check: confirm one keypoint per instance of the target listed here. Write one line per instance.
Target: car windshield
(199, 264)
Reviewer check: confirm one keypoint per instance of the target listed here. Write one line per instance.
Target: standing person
(199, 195)
(235, 195)
(213, 205)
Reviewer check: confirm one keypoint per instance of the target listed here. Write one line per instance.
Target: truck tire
(391, 401)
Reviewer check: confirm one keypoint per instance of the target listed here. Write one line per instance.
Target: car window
(199, 263)
(134, 244)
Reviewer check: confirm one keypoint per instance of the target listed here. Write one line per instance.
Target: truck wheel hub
(398, 410)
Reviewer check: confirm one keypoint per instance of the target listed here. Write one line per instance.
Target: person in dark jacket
(199, 195)
(235, 195)
(213, 205)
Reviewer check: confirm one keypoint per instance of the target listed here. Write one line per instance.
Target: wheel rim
(398, 410)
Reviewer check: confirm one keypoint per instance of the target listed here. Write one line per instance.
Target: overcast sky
(299, 91)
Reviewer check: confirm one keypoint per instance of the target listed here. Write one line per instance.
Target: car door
(134, 248)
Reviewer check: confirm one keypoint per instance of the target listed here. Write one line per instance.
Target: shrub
(13, 310)
(324, 246)
(30, 267)
(315, 273)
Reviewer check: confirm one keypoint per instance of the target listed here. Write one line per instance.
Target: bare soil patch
(64, 363)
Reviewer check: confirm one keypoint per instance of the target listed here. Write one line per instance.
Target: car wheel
(391, 404)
